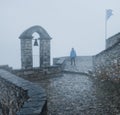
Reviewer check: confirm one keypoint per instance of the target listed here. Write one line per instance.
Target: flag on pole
(108, 13)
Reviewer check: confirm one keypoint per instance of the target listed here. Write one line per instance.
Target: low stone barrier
(37, 73)
(59, 61)
(21, 97)
(6, 67)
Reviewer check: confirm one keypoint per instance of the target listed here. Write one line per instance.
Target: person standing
(73, 56)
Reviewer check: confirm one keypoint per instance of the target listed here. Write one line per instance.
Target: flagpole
(107, 16)
(105, 29)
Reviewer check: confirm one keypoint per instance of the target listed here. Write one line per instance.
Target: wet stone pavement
(76, 94)
(67, 94)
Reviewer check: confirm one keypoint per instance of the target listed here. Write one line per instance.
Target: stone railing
(20, 97)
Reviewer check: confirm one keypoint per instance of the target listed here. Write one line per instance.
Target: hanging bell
(35, 42)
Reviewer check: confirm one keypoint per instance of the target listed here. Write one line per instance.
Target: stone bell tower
(26, 47)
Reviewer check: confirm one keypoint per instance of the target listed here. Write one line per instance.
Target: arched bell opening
(35, 49)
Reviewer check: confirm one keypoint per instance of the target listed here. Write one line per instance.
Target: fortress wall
(112, 40)
(107, 63)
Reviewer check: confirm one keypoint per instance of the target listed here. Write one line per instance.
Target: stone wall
(112, 40)
(107, 63)
(45, 52)
(20, 97)
(38, 73)
(26, 53)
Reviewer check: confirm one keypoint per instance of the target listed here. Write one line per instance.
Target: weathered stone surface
(112, 40)
(21, 97)
(26, 47)
(76, 94)
(73, 93)
(38, 73)
(84, 64)
(107, 63)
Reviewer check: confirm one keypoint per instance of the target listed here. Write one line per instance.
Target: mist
(70, 23)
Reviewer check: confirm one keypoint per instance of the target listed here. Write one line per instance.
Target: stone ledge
(60, 61)
(37, 98)
(76, 72)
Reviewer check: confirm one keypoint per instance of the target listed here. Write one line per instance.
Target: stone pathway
(69, 94)
(79, 94)
(75, 94)
(83, 64)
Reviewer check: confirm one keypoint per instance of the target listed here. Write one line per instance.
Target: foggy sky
(71, 23)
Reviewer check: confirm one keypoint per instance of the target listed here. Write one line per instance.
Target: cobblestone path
(69, 94)
(75, 94)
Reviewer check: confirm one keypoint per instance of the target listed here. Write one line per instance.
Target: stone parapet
(107, 63)
(21, 97)
(60, 62)
(6, 67)
(112, 40)
(38, 73)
